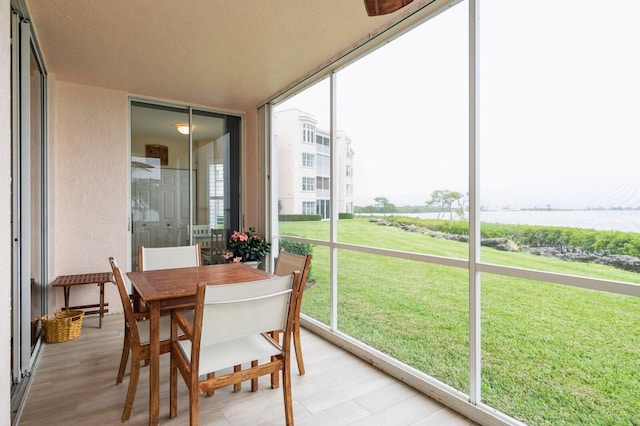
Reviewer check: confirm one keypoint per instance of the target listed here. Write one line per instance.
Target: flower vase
(252, 263)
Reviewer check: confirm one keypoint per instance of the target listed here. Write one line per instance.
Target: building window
(308, 207)
(216, 195)
(349, 172)
(308, 184)
(308, 160)
(308, 133)
(323, 208)
(322, 140)
(322, 182)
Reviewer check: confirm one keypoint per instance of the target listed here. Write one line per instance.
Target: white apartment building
(304, 163)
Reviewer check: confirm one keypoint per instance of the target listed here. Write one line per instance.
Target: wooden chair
(285, 265)
(136, 339)
(201, 234)
(218, 245)
(231, 326)
(152, 258)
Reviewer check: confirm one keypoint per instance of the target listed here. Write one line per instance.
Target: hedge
(566, 239)
(299, 217)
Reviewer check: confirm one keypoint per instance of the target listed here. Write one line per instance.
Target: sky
(558, 107)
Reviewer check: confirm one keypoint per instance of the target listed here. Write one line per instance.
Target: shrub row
(565, 239)
(299, 217)
(310, 217)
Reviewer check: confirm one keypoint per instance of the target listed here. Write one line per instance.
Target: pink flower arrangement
(246, 246)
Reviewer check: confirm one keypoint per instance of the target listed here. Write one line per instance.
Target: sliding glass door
(28, 298)
(185, 170)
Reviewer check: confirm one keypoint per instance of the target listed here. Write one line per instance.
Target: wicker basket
(65, 326)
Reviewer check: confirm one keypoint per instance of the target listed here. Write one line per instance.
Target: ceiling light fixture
(184, 128)
(382, 7)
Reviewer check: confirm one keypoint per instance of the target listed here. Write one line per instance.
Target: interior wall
(89, 195)
(5, 207)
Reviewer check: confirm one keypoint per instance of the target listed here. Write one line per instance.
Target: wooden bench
(99, 278)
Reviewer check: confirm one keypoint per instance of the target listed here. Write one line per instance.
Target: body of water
(605, 220)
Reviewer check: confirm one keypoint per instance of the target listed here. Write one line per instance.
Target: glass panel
(559, 355)
(404, 109)
(36, 197)
(302, 141)
(415, 312)
(159, 177)
(15, 299)
(316, 300)
(211, 186)
(559, 135)
(165, 211)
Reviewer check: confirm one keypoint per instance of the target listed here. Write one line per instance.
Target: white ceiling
(231, 54)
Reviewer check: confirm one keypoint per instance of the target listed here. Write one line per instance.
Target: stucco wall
(89, 154)
(90, 189)
(5, 208)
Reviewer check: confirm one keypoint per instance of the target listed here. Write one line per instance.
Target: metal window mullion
(474, 213)
(25, 195)
(333, 195)
(15, 300)
(191, 182)
(265, 118)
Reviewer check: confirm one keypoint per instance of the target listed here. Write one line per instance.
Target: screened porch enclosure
(483, 228)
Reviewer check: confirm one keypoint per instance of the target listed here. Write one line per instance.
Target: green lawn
(551, 355)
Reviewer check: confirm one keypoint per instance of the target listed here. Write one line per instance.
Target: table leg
(101, 305)
(154, 363)
(66, 290)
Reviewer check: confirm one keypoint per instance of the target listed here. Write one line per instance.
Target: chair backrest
(200, 235)
(288, 262)
(150, 259)
(129, 317)
(218, 243)
(237, 310)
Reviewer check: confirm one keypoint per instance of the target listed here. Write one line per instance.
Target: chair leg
(254, 381)
(237, 387)
(275, 377)
(286, 393)
(193, 407)
(126, 347)
(210, 376)
(173, 388)
(133, 385)
(298, 347)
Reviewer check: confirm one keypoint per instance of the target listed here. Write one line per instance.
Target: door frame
(234, 126)
(24, 349)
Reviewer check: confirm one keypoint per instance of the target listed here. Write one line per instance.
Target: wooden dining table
(167, 289)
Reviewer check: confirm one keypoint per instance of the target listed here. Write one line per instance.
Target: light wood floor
(74, 384)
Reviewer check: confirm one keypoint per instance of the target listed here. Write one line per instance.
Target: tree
(384, 205)
(447, 201)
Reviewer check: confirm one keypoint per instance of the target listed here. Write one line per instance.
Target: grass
(551, 355)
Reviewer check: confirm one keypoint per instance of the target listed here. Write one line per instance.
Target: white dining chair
(230, 327)
(152, 258)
